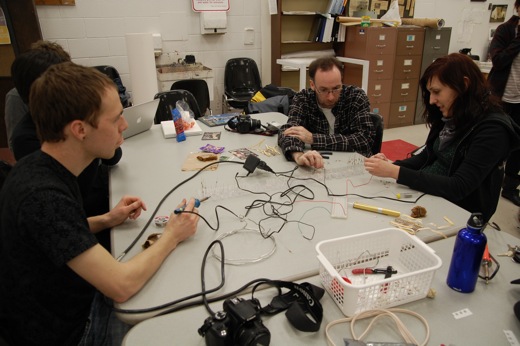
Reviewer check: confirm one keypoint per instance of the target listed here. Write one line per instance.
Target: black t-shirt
(42, 227)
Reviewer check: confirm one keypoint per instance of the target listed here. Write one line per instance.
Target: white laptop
(139, 117)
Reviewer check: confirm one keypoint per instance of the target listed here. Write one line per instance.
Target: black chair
(199, 89)
(113, 74)
(241, 82)
(379, 125)
(168, 101)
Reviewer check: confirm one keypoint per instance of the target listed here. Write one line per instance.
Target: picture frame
(498, 14)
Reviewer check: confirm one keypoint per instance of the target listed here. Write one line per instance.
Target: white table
(150, 167)
(490, 312)
(302, 63)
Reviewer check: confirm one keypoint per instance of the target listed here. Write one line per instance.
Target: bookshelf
(293, 29)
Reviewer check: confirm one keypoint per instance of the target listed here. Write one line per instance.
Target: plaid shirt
(353, 128)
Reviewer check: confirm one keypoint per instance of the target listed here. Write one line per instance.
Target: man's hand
(129, 207)
(380, 166)
(299, 132)
(310, 158)
(181, 226)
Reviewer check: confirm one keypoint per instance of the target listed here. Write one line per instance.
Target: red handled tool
(388, 271)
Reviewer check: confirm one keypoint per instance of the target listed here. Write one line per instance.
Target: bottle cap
(476, 220)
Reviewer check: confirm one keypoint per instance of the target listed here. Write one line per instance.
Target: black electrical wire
(123, 254)
(195, 295)
(330, 194)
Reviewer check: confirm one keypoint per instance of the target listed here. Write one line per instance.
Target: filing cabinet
(407, 69)
(395, 56)
(436, 44)
(377, 45)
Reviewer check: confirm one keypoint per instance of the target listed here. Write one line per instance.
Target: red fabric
(397, 149)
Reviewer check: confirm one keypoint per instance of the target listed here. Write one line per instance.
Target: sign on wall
(210, 5)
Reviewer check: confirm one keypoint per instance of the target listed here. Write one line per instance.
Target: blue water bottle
(467, 255)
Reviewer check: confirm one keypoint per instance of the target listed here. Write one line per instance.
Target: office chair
(199, 89)
(241, 82)
(168, 101)
(113, 74)
(379, 125)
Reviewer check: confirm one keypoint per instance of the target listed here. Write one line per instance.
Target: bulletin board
(380, 7)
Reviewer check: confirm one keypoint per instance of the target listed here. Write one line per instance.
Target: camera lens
(253, 335)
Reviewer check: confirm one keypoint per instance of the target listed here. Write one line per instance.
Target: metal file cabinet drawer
(410, 41)
(379, 90)
(401, 114)
(407, 67)
(404, 90)
(361, 42)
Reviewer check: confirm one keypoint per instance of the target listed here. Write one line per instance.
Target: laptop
(139, 117)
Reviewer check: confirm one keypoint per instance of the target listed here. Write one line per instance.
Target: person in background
(14, 110)
(54, 273)
(15, 106)
(328, 116)
(504, 79)
(470, 137)
(93, 181)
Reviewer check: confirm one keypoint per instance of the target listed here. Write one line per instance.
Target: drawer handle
(437, 48)
(407, 71)
(378, 71)
(410, 47)
(381, 45)
(401, 116)
(377, 95)
(405, 94)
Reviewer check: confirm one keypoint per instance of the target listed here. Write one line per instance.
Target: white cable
(242, 261)
(378, 313)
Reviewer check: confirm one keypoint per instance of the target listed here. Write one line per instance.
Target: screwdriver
(197, 204)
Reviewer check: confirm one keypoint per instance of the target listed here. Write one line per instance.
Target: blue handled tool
(197, 204)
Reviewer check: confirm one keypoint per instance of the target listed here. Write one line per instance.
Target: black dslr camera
(244, 124)
(238, 324)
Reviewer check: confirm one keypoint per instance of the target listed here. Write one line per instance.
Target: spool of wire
(161, 220)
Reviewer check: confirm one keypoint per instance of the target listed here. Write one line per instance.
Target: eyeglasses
(334, 91)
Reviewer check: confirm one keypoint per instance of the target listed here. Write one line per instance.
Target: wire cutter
(388, 271)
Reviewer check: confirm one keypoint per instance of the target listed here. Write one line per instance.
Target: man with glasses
(328, 116)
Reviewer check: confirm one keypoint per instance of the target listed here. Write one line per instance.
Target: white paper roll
(141, 64)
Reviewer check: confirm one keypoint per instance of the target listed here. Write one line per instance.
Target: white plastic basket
(414, 261)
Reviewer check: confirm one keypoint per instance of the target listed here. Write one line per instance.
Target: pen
(376, 209)
(197, 204)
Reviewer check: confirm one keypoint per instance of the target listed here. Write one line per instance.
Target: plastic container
(179, 125)
(414, 261)
(467, 256)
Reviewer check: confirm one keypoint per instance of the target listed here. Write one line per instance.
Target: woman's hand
(380, 166)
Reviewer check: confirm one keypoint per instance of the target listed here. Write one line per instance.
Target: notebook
(168, 129)
(139, 117)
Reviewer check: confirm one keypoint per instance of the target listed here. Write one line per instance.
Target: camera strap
(303, 309)
(268, 130)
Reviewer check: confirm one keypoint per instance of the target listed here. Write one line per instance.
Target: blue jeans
(103, 328)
